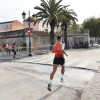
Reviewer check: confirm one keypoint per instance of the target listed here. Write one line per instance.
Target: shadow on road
(46, 96)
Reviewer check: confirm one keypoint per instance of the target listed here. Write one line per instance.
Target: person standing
(58, 49)
(3, 49)
(8, 48)
(14, 50)
(68, 44)
(71, 43)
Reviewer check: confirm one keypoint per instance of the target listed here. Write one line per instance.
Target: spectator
(8, 48)
(71, 43)
(14, 50)
(68, 44)
(3, 48)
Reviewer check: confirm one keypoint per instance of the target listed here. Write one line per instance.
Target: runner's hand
(66, 54)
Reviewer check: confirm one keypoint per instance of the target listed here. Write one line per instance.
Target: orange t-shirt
(58, 52)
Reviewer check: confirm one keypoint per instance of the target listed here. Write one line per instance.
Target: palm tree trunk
(65, 36)
(52, 35)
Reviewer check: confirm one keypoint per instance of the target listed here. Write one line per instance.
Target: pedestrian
(3, 49)
(71, 43)
(8, 48)
(14, 50)
(58, 60)
(68, 44)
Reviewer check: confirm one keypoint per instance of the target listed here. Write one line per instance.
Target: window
(8, 25)
(3, 25)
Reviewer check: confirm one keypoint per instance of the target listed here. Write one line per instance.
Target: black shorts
(59, 61)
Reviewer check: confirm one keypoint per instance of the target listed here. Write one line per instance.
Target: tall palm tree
(50, 12)
(70, 18)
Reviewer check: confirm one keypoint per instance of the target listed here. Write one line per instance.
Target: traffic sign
(29, 31)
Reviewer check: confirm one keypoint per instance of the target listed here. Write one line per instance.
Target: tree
(77, 28)
(98, 27)
(50, 11)
(70, 17)
(93, 24)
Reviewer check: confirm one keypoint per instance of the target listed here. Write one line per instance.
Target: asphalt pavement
(27, 78)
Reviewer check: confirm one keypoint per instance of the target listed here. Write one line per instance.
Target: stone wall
(18, 37)
(38, 38)
(79, 38)
(41, 38)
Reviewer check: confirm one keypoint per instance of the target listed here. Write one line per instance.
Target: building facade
(37, 26)
(34, 27)
(10, 26)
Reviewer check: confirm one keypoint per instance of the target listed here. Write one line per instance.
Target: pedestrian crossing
(69, 61)
(84, 63)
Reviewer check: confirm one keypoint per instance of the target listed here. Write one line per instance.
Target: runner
(58, 49)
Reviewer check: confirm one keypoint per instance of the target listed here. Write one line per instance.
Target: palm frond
(44, 22)
(53, 12)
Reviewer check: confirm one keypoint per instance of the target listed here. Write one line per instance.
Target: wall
(18, 37)
(34, 27)
(16, 25)
(38, 38)
(10, 26)
(37, 27)
(79, 38)
(4, 27)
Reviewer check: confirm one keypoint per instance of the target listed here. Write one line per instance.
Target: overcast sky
(12, 9)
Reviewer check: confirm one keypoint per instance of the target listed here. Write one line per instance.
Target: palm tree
(71, 18)
(50, 12)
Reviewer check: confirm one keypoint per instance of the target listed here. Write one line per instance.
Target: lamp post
(62, 30)
(74, 35)
(29, 20)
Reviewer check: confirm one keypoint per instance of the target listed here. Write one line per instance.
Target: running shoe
(61, 80)
(49, 87)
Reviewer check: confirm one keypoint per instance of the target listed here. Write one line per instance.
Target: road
(27, 78)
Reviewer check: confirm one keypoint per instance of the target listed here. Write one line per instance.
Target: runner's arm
(62, 49)
(65, 52)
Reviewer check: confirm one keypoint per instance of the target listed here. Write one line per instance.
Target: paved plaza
(27, 78)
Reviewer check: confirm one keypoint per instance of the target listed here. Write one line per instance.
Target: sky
(12, 9)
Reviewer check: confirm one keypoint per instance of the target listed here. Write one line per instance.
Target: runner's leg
(62, 72)
(63, 69)
(54, 71)
(52, 75)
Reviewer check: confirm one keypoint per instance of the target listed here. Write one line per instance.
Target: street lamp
(62, 29)
(29, 20)
(74, 35)
(23, 15)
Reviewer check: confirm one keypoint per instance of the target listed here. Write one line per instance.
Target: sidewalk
(92, 90)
